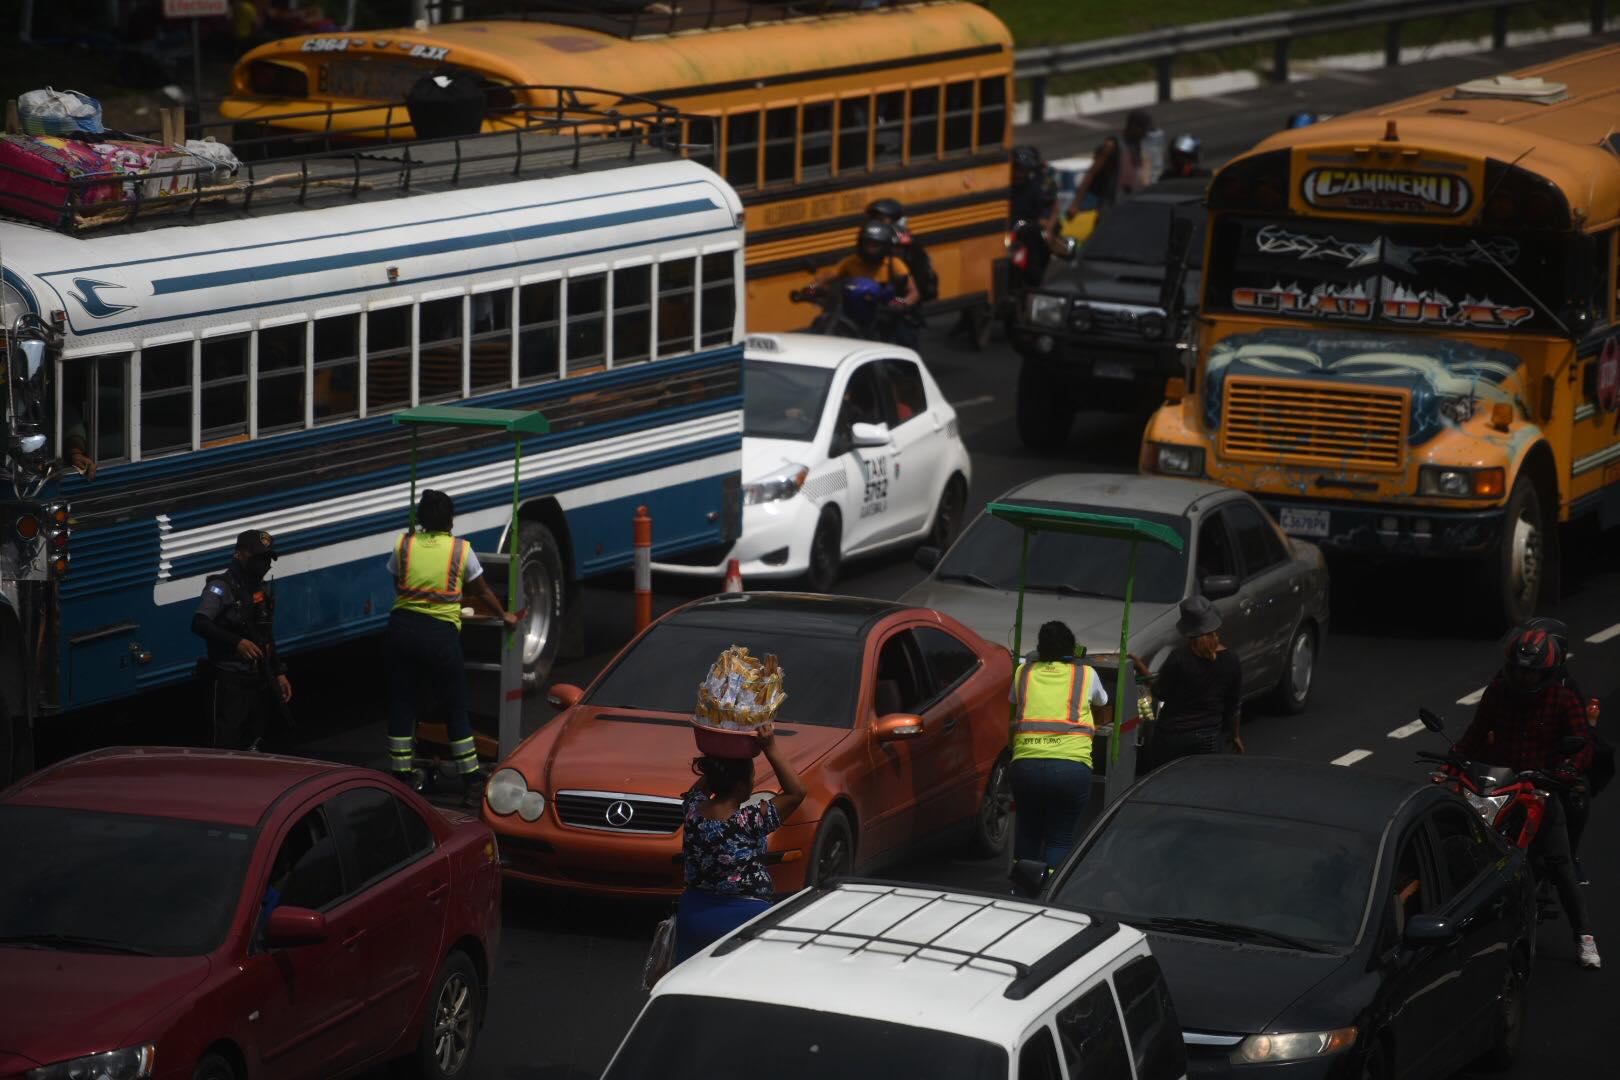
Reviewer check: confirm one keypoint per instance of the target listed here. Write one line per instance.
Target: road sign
(195, 9)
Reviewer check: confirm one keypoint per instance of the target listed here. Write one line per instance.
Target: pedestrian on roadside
(236, 619)
(1057, 705)
(1200, 687)
(1120, 166)
(431, 570)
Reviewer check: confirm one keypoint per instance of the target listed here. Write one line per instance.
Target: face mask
(255, 567)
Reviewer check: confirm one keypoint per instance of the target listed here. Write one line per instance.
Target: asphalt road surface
(567, 984)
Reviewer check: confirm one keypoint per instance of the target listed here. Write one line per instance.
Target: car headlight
(1293, 1045)
(531, 806)
(783, 484)
(505, 792)
(1047, 310)
(1080, 317)
(1150, 325)
(126, 1064)
(1487, 806)
(1461, 483)
(1179, 460)
(1458, 409)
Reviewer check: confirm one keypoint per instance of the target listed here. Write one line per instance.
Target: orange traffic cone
(733, 576)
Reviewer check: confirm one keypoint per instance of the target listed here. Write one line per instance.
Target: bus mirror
(29, 400)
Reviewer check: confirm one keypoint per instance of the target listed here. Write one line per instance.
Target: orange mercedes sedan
(896, 718)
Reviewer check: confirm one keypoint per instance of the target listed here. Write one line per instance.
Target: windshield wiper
(1067, 589)
(74, 941)
(1230, 931)
(965, 575)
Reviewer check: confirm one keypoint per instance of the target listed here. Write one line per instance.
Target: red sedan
(895, 719)
(209, 915)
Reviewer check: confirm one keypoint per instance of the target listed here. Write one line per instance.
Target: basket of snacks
(740, 694)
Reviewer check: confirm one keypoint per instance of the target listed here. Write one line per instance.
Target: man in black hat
(236, 620)
(1201, 686)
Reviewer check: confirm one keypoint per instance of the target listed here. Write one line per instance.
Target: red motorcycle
(1512, 803)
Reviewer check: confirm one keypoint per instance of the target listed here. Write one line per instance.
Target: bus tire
(1515, 572)
(545, 596)
(1043, 410)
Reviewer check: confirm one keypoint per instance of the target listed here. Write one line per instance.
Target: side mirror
(1430, 930)
(926, 557)
(564, 696)
(898, 727)
(1067, 247)
(290, 927)
(869, 434)
(1028, 877)
(1219, 586)
(1431, 721)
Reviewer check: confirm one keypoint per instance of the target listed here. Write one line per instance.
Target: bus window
(165, 398)
(742, 149)
(337, 367)
(538, 318)
(585, 303)
(281, 377)
(388, 359)
(815, 157)
(993, 111)
(701, 139)
(491, 345)
(781, 138)
(854, 117)
(924, 122)
(224, 388)
(675, 301)
(632, 314)
(958, 117)
(719, 298)
(95, 406)
(888, 142)
(438, 370)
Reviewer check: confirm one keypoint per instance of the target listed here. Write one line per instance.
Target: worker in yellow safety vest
(431, 570)
(1058, 705)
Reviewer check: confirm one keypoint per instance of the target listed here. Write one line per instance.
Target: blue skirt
(703, 918)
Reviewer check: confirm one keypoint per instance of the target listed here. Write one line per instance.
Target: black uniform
(246, 693)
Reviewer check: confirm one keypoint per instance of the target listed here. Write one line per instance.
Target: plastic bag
(57, 112)
(661, 957)
(217, 154)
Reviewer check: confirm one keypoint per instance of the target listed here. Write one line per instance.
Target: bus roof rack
(640, 18)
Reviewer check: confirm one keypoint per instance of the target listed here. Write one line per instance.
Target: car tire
(993, 825)
(1043, 411)
(948, 513)
(544, 589)
(1515, 572)
(1293, 690)
(213, 1067)
(451, 1022)
(833, 854)
(826, 552)
(1509, 1031)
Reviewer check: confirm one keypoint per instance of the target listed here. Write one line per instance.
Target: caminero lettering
(1385, 191)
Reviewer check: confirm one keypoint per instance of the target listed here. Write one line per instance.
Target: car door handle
(353, 938)
(438, 892)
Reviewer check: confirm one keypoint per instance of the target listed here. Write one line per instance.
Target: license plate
(1112, 369)
(1297, 522)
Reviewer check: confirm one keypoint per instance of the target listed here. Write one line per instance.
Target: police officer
(1057, 705)
(431, 569)
(236, 620)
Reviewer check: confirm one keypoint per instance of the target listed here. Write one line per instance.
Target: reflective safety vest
(428, 568)
(1053, 718)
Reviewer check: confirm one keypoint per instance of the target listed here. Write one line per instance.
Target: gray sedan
(1271, 590)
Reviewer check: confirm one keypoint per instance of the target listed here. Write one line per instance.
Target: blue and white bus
(236, 367)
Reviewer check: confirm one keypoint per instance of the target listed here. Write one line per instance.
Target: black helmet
(1026, 158)
(875, 240)
(886, 208)
(1533, 659)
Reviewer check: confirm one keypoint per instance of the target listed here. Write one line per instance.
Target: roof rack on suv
(1027, 977)
(639, 18)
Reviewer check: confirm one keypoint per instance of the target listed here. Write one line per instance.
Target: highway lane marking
(1472, 699)
(982, 399)
(1352, 757)
(1407, 729)
(1604, 635)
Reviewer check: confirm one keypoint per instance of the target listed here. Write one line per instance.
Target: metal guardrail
(1278, 29)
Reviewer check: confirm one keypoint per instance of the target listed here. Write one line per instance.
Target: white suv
(874, 979)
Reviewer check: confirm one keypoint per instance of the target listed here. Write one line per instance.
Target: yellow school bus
(817, 114)
(1408, 342)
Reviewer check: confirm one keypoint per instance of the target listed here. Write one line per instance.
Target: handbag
(661, 957)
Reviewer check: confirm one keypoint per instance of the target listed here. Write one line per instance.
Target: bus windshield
(1388, 275)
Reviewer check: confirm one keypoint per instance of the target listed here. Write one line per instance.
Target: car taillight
(277, 80)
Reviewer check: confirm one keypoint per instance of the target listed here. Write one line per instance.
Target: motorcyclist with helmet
(874, 258)
(1182, 162)
(1525, 721)
(907, 247)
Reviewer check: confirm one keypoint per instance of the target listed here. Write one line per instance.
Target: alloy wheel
(537, 628)
(1302, 663)
(453, 1024)
(1526, 568)
(995, 810)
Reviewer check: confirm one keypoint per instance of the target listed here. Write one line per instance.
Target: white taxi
(848, 448)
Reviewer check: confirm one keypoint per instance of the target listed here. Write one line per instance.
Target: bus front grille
(1296, 422)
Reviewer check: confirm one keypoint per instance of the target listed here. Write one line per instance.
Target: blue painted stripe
(243, 275)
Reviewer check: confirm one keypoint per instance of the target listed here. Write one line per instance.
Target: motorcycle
(857, 307)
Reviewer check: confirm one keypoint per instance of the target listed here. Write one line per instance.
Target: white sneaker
(1588, 950)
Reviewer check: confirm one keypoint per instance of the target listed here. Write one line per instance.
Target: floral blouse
(728, 856)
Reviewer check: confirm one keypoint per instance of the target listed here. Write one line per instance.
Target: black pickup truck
(1096, 333)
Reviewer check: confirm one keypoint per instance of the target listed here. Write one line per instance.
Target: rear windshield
(662, 671)
(86, 881)
(783, 401)
(700, 1038)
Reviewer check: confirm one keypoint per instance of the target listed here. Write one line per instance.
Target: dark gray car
(1271, 590)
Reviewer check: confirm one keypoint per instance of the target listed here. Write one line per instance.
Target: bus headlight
(1046, 310)
(1458, 483)
(1178, 460)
